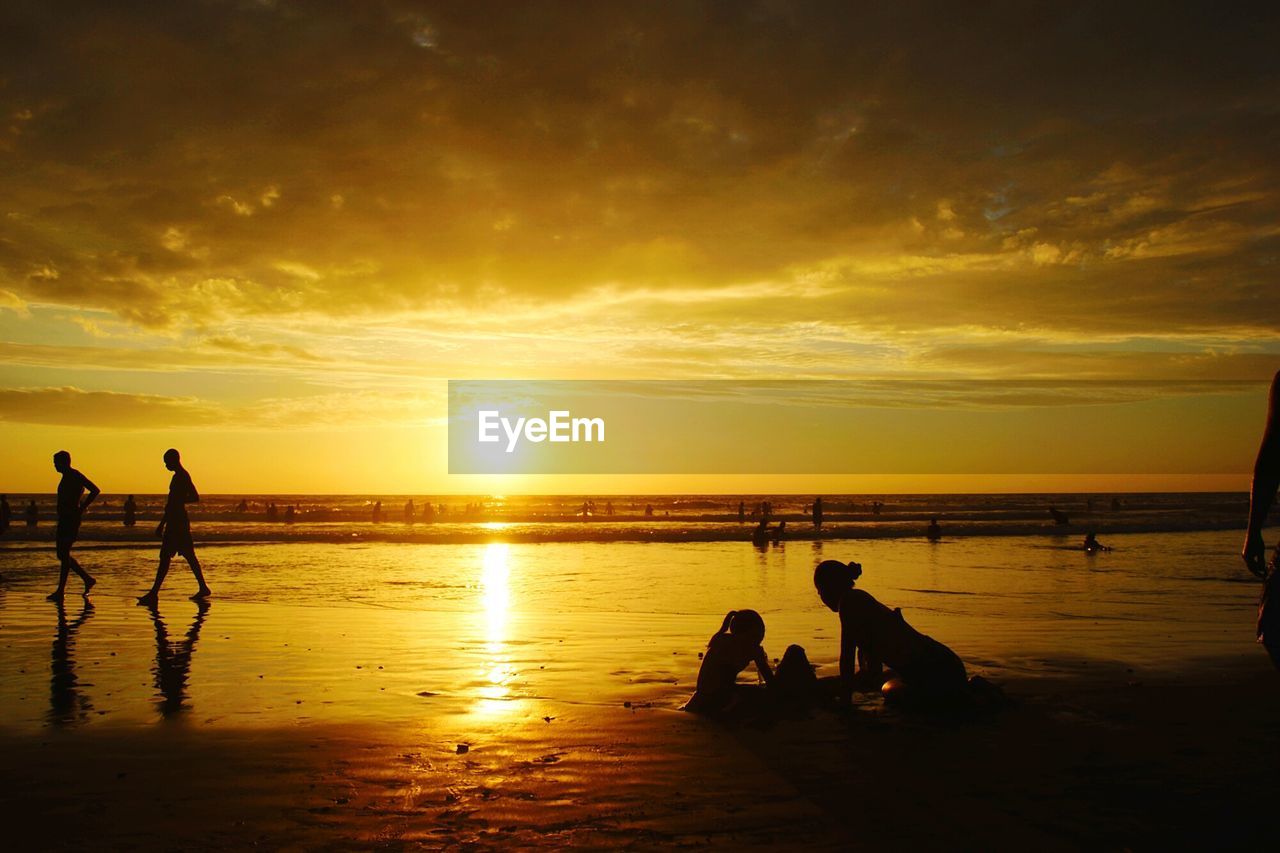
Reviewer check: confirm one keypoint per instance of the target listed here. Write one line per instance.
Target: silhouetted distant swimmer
(817, 513)
(730, 650)
(779, 532)
(760, 536)
(408, 511)
(1092, 545)
(130, 512)
(288, 515)
(648, 510)
(33, 514)
(742, 512)
(174, 530)
(872, 636)
(608, 507)
(876, 506)
(242, 507)
(428, 512)
(377, 511)
(75, 493)
(6, 514)
(1059, 517)
(273, 514)
(934, 531)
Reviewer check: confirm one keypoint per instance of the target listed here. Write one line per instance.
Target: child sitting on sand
(729, 651)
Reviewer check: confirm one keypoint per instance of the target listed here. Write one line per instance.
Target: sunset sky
(268, 233)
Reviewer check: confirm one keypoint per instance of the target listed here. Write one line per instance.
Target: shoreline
(664, 531)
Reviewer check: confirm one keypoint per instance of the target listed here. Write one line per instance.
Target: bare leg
(204, 591)
(89, 580)
(63, 571)
(163, 569)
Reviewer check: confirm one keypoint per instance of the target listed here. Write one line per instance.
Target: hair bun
(855, 570)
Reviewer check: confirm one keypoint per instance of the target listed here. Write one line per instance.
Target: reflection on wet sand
(173, 660)
(495, 593)
(67, 705)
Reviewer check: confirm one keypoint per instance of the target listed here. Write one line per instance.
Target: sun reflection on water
(495, 596)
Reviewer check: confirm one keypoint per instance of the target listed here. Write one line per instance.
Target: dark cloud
(74, 407)
(1088, 168)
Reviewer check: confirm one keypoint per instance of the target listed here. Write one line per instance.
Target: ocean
(335, 618)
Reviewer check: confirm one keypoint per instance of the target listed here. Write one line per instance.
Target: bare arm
(91, 490)
(762, 665)
(1266, 479)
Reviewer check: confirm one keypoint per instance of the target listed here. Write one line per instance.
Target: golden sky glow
(268, 232)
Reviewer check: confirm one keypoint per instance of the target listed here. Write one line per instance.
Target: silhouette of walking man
(71, 507)
(174, 530)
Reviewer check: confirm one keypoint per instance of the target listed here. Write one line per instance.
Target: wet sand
(1104, 763)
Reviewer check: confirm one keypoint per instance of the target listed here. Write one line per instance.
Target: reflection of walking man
(173, 659)
(67, 705)
(1266, 479)
(70, 509)
(174, 529)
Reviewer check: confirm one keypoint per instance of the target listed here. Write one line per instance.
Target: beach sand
(1106, 763)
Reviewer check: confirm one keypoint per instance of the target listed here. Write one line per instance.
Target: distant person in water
(730, 650)
(288, 515)
(779, 533)
(33, 514)
(273, 514)
(817, 513)
(377, 511)
(130, 511)
(1266, 479)
(428, 512)
(925, 672)
(242, 507)
(1115, 504)
(5, 513)
(760, 536)
(408, 511)
(742, 512)
(1060, 518)
(174, 530)
(1092, 545)
(75, 493)
(648, 510)
(934, 531)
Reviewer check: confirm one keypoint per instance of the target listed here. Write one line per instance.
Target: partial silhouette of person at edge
(174, 530)
(173, 658)
(1266, 479)
(75, 493)
(926, 675)
(130, 512)
(67, 704)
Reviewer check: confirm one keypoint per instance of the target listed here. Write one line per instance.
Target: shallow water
(486, 633)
